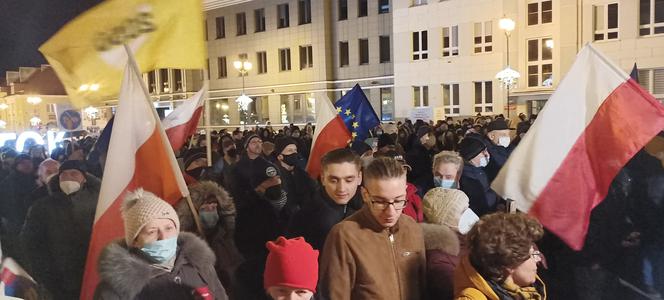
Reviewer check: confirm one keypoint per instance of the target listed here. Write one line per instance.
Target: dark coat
(421, 160)
(476, 185)
(443, 249)
(239, 182)
(299, 187)
(57, 234)
(220, 238)
(317, 218)
(15, 201)
(499, 155)
(126, 273)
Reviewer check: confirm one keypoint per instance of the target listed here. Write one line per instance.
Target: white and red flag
(592, 125)
(331, 133)
(181, 123)
(139, 155)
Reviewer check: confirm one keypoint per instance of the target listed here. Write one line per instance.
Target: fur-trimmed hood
(440, 237)
(199, 193)
(127, 272)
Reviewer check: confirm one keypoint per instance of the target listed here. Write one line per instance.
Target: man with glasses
(376, 253)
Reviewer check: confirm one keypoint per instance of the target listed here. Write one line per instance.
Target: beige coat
(363, 260)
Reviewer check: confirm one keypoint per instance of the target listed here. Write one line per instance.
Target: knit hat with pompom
(139, 208)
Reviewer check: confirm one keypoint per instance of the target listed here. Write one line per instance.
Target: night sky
(26, 24)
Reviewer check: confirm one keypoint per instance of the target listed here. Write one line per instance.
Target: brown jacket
(363, 260)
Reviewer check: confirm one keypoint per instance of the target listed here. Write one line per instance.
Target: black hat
(385, 140)
(73, 165)
(423, 130)
(281, 143)
(359, 147)
(193, 155)
(498, 124)
(470, 147)
(262, 170)
(248, 139)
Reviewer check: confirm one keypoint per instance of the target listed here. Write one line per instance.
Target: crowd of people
(408, 213)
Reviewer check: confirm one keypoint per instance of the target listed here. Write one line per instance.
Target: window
(221, 67)
(259, 20)
(306, 57)
(483, 39)
(362, 8)
(343, 10)
(652, 80)
(284, 59)
(383, 6)
(540, 62)
(221, 27)
(386, 104)
(152, 82)
(283, 19)
(384, 48)
(304, 11)
(651, 17)
(207, 63)
(419, 2)
(261, 58)
(420, 45)
(364, 51)
(451, 99)
(343, 54)
(420, 96)
(483, 96)
(540, 12)
(241, 20)
(177, 79)
(605, 22)
(205, 25)
(451, 41)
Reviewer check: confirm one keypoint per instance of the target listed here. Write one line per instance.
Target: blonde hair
(383, 168)
(447, 157)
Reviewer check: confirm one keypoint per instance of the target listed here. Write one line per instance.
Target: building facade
(449, 52)
(297, 48)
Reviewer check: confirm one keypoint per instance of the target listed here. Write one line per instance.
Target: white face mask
(504, 141)
(69, 187)
(484, 161)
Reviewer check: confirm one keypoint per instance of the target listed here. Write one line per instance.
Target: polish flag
(331, 133)
(181, 123)
(139, 155)
(592, 125)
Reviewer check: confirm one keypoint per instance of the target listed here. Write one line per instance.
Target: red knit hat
(292, 263)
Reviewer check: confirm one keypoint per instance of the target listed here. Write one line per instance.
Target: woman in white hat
(155, 260)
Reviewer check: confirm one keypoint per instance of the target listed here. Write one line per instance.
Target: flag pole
(137, 71)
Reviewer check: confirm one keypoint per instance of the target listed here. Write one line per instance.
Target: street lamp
(92, 114)
(243, 101)
(3, 106)
(34, 121)
(508, 76)
(34, 100)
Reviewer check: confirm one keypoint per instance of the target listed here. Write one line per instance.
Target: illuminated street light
(83, 87)
(506, 24)
(508, 76)
(34, 100)
(3, 124)
(34, 121)
(91, 112)
(94, 87)
(3, 106)
(243, 101)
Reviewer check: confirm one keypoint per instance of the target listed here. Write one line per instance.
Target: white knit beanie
(444, 206)
(139, 208)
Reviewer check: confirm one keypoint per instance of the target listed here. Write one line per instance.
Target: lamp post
(243, 101)
(508, 76)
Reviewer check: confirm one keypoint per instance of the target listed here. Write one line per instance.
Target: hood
(91, 183)
(199, 193)
(440, 237)
(127, 273)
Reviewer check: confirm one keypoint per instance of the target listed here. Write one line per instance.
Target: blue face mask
(162, 250)
(209, 218)
(444, 183)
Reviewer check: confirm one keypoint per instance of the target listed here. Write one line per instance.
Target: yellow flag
(88, 53)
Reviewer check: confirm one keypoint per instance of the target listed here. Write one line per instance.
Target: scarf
(521, 293)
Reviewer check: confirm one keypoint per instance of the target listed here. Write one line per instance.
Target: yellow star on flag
(348, 111)
(353, 116)
(354, 135)
(356, 124)
(338, 109)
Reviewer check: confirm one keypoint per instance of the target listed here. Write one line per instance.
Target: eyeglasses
(536, 255)
(398, 204)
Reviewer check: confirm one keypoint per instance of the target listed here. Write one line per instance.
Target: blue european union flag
(357, 113)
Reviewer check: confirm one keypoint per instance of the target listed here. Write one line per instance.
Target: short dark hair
(502, 240)
(339, 156)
